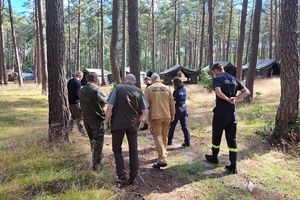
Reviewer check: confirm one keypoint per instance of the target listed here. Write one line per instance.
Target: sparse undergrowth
(31, 168)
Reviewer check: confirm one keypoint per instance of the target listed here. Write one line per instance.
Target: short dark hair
(178, 83)
(217, 66)
(147, 78)
(92, 77)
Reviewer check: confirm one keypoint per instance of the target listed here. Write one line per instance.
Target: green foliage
(206, 80)
(257, 112)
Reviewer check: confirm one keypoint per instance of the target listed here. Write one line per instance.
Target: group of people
(157, 107)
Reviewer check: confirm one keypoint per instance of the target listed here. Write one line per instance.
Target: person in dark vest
(181, 113)
(92, 102)
(127, 107)
(73, 97)
(224, 118)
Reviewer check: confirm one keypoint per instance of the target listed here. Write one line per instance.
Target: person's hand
(107, 127)
(232, 100)
(172, 118)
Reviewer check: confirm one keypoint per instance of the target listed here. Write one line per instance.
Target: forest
(170, 32)
(41, 158)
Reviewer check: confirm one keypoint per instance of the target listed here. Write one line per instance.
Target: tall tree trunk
(276, 46)
(178, 32)
(168, 51)
(254, 50)
(153, 38)
(174, 34)
(38, 45)
(43, 48)
(287, 112)
(3, 73)
(133, 34)
(124, 40)
(146, 47)
(202, 35)
(229, 29)
(69, 39)
(210, 52)
(17, 59)
(161, 55)
(59, 115)
(114, 42)
(241, 41)
(271, 31)
(249, 34)
(78, 35)
(103, 81)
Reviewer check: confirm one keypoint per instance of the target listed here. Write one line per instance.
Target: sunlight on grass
(31, 168)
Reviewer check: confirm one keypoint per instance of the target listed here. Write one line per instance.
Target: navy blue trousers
(182, 116)
(225, 119)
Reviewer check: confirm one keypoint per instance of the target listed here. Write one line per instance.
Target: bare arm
(108, 116)
(221, 95)
(244, 92)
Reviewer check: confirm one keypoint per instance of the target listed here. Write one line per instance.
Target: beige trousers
(159, 129)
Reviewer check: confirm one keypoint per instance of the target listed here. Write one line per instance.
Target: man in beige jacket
(162, 110)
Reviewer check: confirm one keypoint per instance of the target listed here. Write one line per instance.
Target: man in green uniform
(92, 102)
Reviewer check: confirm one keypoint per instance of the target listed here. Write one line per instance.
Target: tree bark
(38, 45)
(229, 30)
(287, 112)
(271, 31)
(17, 58)
(241, 41)
(133, 34)
(178, 32)
(210, 35)
(114, 42)
(254, 50)
(78, 35)
(124, 40)
(102, 64)
(276, 49)
(202, 35)
(3, 74)
(59, 115)
(43, 49)
(153, 38)
(174, 34)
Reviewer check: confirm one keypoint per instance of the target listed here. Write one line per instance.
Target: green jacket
(92, 101)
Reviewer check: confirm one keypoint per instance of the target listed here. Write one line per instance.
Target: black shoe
(97, 167)
(145, 127)
(169, 143)
(212, 159)
(122, 182)
(185, 145)
(158, 165)
(231, 169)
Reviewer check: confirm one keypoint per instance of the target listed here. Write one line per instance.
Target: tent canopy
(169, 74)
(86, 71)
(228, 67)
(264, 68)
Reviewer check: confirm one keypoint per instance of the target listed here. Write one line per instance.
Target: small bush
(206, 81)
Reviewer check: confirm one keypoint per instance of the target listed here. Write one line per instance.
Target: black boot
(145, 127)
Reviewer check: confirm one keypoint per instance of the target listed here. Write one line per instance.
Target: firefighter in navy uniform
(224, 118)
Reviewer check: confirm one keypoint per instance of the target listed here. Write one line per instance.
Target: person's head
(177, 83)
(217, 69)
(147, 80)
(155, 77)
(79, 75)
(130, 78)
(92, 77)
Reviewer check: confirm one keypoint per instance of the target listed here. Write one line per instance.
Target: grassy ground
(31, 168)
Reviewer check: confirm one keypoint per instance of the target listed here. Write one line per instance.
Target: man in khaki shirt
(162, 110)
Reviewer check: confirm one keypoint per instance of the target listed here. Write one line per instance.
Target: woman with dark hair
(181, 113)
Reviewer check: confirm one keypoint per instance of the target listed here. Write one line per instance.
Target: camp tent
(169, 74)
(142, 75)
(98, 71)
(228, 67)
(264, 68)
